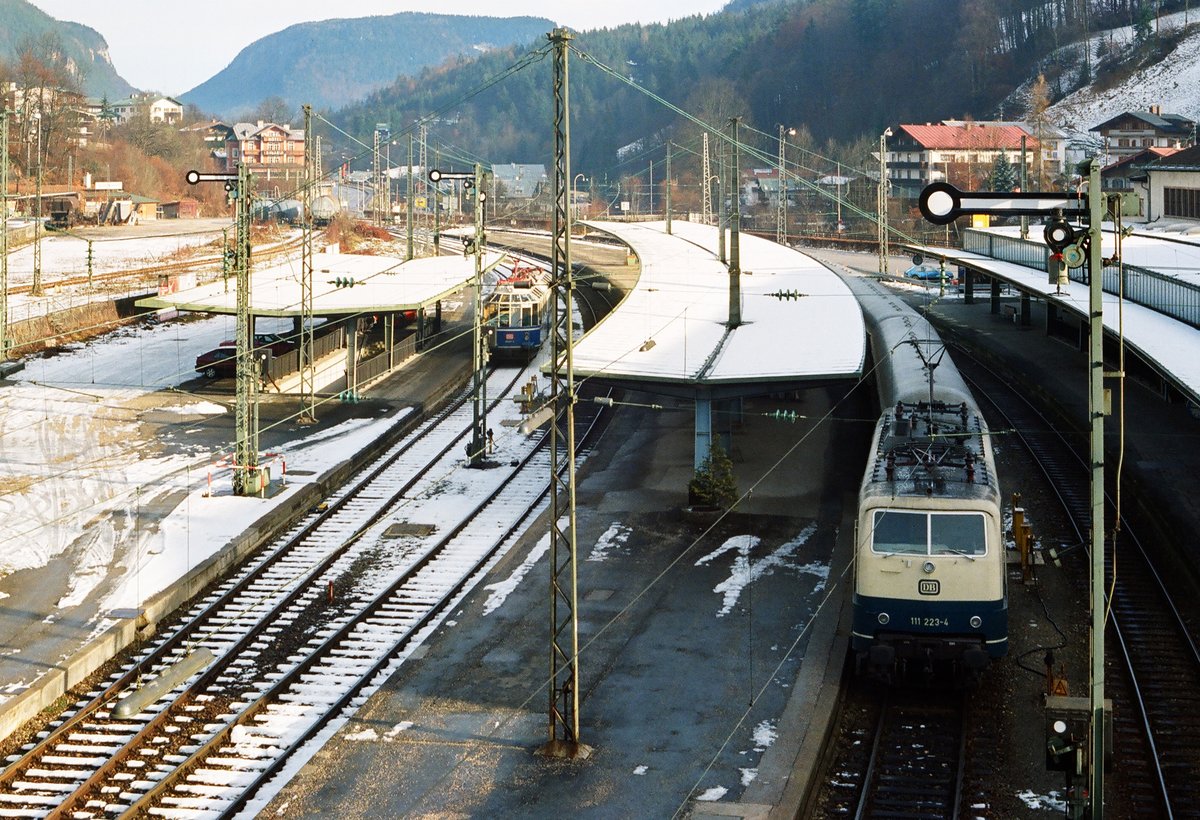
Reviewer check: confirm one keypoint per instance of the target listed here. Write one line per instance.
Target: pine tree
(714, 486)
(1004, 176)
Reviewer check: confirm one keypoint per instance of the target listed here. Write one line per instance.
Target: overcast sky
(174, 45)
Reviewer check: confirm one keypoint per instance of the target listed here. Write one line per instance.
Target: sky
(147, 38)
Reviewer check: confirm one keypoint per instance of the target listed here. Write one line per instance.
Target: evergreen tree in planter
(713, 487)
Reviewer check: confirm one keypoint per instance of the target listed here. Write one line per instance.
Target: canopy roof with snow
(800, 323)
(381, 283)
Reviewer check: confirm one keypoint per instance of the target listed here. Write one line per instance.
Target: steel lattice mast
(781, 203)
(3, 233)
(308, 403)
(36, 289)
(564, 619)
(245, 452)
(706, 212)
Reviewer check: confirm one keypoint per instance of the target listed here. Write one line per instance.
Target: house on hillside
(215, 134)
(271, 150)
(166, 109)
(519, 181)
(1053, 142)
(1173, 183)
(962, 154)
(1127, 134)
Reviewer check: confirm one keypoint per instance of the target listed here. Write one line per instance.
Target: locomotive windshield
(907, 532)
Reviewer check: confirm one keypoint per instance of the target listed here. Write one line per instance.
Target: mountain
(83, 50)
(332, 63)
(832, 69)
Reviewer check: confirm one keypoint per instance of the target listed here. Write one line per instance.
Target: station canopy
(343, 284)
(800, 322)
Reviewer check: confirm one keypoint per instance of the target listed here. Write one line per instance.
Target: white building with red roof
(961, 154)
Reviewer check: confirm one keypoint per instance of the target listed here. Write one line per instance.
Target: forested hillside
(331, 63)
(840, 69)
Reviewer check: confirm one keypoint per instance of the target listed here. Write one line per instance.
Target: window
(904, 532)
(1181, 202)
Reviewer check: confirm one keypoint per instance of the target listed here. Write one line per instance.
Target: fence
(1160, 292)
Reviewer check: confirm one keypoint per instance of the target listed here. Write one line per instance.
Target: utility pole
(564, 582)
(1096, 411)
(308, 402)
(721, 221)
(4, 112)
(1024, 187)
(36, 289)
(478, 448)
(668, 197)
(650, 210)
(706, 191)
(883, 202)
(735, 227)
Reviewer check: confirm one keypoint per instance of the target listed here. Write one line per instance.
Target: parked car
(277, 344)
(931, 272)
(220, 362)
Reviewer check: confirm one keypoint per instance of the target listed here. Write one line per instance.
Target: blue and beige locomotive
(515, 311)
(930, 580)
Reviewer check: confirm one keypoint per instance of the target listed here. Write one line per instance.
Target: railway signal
(941, 204)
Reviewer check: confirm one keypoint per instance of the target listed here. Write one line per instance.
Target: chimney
(1156, 110)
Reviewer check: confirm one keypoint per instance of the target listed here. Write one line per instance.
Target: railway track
(147, 272)
(899, 754)
(1152, 666)
(297, 637)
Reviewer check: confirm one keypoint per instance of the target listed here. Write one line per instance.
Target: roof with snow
(970, 136)
(672, 327)
(381, 283)
(1167, 342)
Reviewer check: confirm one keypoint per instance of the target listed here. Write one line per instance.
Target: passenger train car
(930, 583)
(515, 311)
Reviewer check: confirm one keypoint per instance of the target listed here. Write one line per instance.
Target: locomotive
(515, 311)
(930, 584)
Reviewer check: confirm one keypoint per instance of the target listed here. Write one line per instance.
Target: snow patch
(713, 794)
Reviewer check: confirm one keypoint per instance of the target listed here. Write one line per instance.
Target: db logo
(928, 586)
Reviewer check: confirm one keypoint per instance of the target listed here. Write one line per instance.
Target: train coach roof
(672, 327)
(381, 283)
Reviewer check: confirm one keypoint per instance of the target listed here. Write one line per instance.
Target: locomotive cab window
(903, 532)
(917, 533)
(957, 534)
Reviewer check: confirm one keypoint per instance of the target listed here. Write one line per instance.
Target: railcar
(515, 312)
(930, 582)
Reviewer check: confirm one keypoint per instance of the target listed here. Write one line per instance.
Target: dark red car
(220, 362)
(276, 343)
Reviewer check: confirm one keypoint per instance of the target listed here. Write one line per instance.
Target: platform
(1167, 345)
(382, 284)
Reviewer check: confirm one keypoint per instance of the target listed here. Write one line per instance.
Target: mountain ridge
(85, 49)
(310, 63)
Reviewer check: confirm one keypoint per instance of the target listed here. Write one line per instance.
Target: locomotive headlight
(928, 567)
(976, 622)
(884, 618)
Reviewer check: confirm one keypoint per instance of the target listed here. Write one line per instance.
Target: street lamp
(883, 185)
(575, 193)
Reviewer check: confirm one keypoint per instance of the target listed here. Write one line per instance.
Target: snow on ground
(502, 589)
(1171, 83)
(202, 524)
(746, 571)
(74, 468)
(66, 254)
